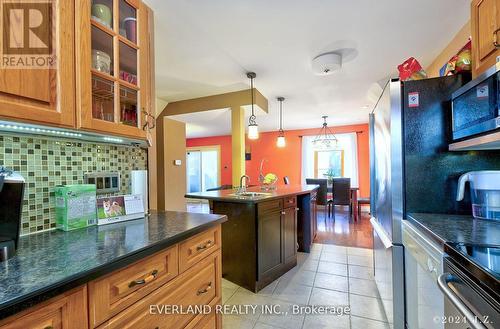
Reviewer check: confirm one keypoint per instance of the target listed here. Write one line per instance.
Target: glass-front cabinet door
(113, 59)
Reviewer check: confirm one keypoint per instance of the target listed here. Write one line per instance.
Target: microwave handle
(443, 281)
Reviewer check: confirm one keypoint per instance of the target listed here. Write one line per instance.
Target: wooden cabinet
(124, 298)
(113, 85)
(289, 221)
(102, 79)
(68, 311)
(115, 292)
(200, 285)
(39, 95)
(193, 250)
(269, 237)
(485, 23)
(277, 239)
(314, 214)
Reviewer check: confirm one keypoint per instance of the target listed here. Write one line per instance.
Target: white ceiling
(206, 47)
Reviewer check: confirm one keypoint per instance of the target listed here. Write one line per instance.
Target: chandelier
(325, 140)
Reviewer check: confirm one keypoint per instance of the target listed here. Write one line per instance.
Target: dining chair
(341, 194)
(322, 195)
(286, 180)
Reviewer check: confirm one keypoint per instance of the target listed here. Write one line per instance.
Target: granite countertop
(444, 228)
(279, 192)
(49, 263)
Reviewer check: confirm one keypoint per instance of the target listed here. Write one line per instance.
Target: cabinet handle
(283, 213)
(495, 38)
(204, 290)
(147, 279)
(147, 124)
(205, 246)
(297, 209)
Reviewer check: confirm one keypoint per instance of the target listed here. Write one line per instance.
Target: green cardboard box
(75, 206)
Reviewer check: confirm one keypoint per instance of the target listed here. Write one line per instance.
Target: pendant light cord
(281, 115)
(252, 117)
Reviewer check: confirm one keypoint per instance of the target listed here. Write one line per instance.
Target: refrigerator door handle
(381, 233)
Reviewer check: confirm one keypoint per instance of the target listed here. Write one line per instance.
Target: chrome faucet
(243, 188)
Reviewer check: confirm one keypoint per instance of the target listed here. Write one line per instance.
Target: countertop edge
(14, 306)
(436, 238)
(249, 200)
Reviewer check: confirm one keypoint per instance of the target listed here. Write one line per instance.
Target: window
(328, 162)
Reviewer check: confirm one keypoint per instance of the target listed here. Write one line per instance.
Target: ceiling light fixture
(253, 128)
(281, 142)
(325, 140)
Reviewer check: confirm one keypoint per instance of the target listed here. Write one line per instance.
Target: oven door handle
(443, 281)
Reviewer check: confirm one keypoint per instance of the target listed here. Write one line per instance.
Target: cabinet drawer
(198, 247)
(113, 293)
(290, 202)
(63, 312)
(211, 321)
(270, 206)
(198, 286)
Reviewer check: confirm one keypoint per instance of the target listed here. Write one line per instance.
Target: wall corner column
(238, 143)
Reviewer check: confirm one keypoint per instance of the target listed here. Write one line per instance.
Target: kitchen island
(263, 231)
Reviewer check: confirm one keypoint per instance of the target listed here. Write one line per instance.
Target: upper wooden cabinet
(485, 23)
(113, 65)
(44, 95)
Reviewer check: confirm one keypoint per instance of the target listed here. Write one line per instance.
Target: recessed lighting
(364, 107)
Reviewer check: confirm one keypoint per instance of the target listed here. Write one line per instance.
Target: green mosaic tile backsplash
(46, 162)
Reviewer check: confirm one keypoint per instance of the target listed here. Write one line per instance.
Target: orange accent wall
(286, 161)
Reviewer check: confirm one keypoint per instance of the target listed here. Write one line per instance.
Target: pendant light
(281, 142)
(325, 140)
(253, 128)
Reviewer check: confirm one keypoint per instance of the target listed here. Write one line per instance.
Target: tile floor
(329, 275)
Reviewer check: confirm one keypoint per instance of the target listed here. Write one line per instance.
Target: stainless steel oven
(475, 106)
(469, 301)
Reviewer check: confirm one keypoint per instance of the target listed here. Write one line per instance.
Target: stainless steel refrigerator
(411, 170)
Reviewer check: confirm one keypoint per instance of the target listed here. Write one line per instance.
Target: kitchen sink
(251, 194)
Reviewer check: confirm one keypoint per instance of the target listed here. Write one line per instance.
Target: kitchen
(93, 150)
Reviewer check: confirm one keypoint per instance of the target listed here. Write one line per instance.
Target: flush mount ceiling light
(253, 128)
(326, 64)
(281, 142)
(325, 140)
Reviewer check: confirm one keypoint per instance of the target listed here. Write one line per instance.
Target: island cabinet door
(269, 237)
(289, 234)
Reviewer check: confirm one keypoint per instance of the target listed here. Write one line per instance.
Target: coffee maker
(11, 206)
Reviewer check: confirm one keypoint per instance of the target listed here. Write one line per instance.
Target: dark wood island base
(262, 235)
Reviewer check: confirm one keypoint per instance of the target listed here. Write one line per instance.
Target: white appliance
(139, 185)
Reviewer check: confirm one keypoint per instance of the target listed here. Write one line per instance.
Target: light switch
(178, 162)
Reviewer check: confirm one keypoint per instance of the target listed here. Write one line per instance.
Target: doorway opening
(203, 168)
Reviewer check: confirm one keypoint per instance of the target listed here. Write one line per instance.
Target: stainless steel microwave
(475, 106)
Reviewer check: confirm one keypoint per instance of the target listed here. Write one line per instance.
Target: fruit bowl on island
(268, 182)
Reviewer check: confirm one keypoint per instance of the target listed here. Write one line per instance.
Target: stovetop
(481, 261)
